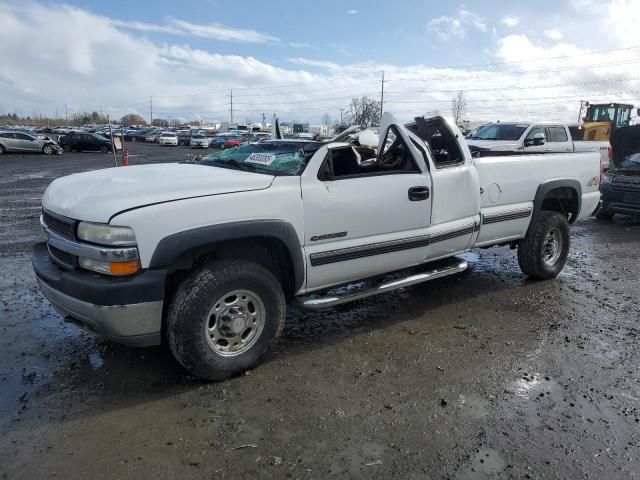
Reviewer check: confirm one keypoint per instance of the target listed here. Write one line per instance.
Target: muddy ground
(487, 375)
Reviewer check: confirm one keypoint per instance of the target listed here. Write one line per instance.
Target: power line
(521, 87)
(511, 73)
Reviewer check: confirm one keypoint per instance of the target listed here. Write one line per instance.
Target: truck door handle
(417, 194)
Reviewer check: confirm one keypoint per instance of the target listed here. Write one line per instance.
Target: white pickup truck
(497, 139)
(206, 255)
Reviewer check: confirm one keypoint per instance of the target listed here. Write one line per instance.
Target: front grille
(64, 259)
(58, 224)
(626, 181)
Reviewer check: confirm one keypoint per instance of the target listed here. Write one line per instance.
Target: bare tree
(326, 119)
(160, 122)
(458, 107)
(364, 111)
(133, 119)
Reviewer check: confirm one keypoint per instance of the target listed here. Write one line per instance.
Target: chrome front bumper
(137, 324)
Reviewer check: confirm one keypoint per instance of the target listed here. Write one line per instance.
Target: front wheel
(224, 317)
(543, 252)
(47, 149)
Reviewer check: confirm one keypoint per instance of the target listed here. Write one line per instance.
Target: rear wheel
(224, 317)
(543, 252)
(2, 150)
(67, 148)
(104, 149)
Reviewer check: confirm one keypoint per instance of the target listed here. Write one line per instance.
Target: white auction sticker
(261, 158)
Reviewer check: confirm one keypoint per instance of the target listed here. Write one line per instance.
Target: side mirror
(538, 139)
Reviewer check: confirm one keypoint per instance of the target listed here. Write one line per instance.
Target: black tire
(104, 149)
(603, 213)
(48, 149)
(2, 150)
(537, 256)
(67, 148)
(192, 309)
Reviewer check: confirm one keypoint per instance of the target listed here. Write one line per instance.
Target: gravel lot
(487, 375)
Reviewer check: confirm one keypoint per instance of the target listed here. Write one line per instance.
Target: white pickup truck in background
(207, 254)
(497, 139)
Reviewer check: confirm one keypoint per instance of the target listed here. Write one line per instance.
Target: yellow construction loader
(603, 119)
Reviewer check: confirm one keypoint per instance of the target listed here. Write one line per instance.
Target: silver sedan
(20, 142)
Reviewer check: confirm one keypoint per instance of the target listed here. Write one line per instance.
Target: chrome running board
(317, 302)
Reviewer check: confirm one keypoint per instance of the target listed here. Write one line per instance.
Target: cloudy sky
(513, 60)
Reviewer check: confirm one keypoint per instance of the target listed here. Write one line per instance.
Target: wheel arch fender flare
(546, 187)
(170, 248)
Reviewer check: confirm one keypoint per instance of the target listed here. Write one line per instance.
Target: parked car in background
(168, 138)
(496, 139)
(218, 141)
(184, 137)
(199, 141)
(20, 142)
(80, 142)
(233, 142)
(259, 137)
(620, 186)
(152, 136)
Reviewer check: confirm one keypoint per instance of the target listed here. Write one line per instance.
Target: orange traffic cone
(125, 159)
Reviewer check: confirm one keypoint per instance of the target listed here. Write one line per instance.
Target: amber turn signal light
(124, 268)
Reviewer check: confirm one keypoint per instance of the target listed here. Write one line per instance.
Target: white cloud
(352, 12)
(624, 19)
(213, 31)
(94, 63)
(553, 34)
(315, 63)
(510, 21)
(456, 26)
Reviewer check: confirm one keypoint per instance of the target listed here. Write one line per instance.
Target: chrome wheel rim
(552, 248)
(48, 150)
(235, 323)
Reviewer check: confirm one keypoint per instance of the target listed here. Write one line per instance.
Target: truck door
(559, 141)
(365, 212)
(455, 212)
(530, 143)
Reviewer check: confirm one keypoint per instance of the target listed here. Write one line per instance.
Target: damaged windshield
(501, 131)
(271, 158)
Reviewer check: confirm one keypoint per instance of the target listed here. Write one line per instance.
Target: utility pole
(341, 110)
(66, 115)
(382, 96)
(150, 110)
(264, 120)
(231, 106)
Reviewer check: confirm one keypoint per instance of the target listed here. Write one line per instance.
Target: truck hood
(495, 145)
(98, 195)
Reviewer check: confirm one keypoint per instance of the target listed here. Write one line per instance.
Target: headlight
(109, 268)
(103, 234)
